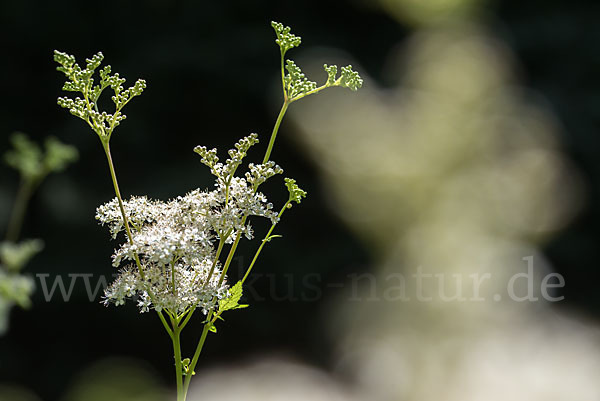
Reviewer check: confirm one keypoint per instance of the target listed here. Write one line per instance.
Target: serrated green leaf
(232, 301)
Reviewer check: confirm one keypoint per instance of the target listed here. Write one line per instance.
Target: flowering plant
(171, 256)
(34, 164)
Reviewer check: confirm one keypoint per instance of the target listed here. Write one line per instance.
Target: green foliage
(185, 365)
(26, 157)
(59, 155)
(177, 228)
(270, 237)
(14, 256)
(15, 288)
(82, 81)
(32, 163)
(232, 301)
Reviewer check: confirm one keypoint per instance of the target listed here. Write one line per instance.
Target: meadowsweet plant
(33, 164)
(175, 254)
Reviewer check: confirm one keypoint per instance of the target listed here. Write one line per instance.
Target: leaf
(270, 237)
(185, 365)
(232, 301)
(15, 256)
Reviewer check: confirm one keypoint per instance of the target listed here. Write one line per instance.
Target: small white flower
(175, 240)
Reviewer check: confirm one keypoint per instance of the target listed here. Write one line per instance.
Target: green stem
(316, 90)
(187, 318)
(217, 255)
(283, 75)
(18, 213)
(177, 356)
(264, 241)
(286, 103)
(164, 322)
(231, 253)
(275, 130)
(172, 333)
(113, 176)
(233, 248)
(194, 361)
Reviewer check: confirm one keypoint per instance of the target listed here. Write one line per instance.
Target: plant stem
(174, 334)
(194, 361)
(164, 322)
(187, 318)
(217, 255)
(316, 90)
(231, 252)
(266, 159)
(182, 396)
(283, 75)
(264, 241)
(275, 130)
(18, 212)
(113, 176)
(177, 356)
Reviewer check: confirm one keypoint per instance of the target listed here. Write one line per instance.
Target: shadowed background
(212, 73)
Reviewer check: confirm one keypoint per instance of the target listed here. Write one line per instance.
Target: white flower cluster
(175, 240)
(156, 288)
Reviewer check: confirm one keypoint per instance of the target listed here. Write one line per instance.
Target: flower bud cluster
(82, 81)
(296, 82)
(285, 39)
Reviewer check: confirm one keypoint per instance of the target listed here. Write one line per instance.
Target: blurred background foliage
(472, 144)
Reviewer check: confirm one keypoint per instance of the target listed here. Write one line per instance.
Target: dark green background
(212, 71)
